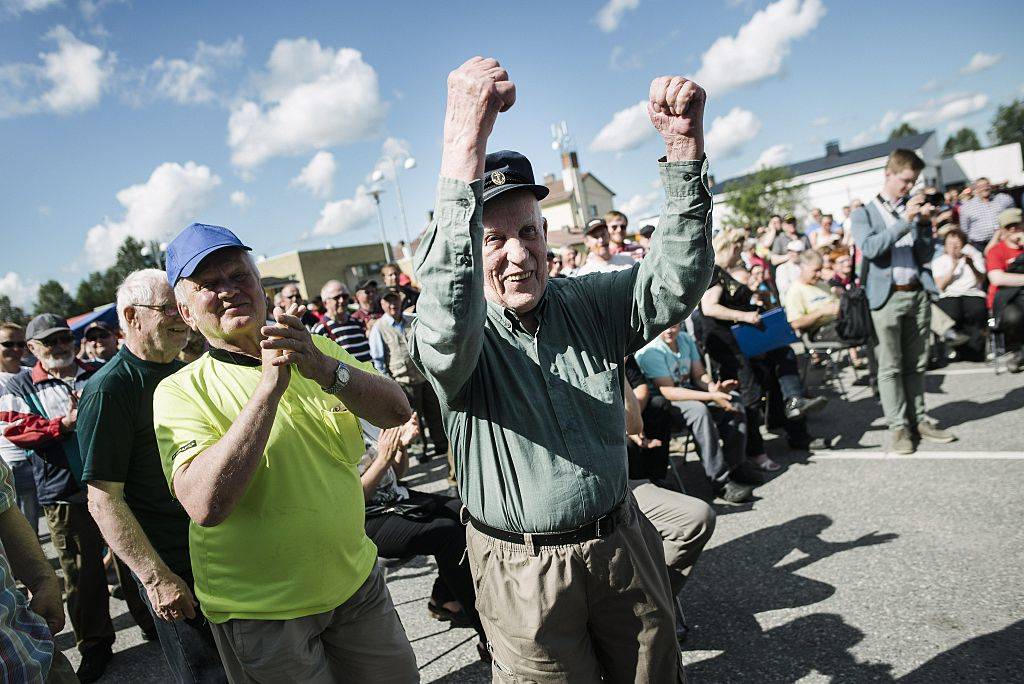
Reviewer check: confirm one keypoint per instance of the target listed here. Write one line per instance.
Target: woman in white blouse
(960, 275)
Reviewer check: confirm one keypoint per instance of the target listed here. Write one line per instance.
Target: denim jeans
(188, 645)
(25, 491)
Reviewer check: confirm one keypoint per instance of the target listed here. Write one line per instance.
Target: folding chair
(996, 344)
(828, 349)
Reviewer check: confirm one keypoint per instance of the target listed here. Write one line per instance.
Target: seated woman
(1004, 262)
(726, 303)
(843, 274)
(404, 522)
(959, 274)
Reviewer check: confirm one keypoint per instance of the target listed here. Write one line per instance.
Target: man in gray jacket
(897, 248)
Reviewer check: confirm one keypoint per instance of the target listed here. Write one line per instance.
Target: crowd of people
(235, 466)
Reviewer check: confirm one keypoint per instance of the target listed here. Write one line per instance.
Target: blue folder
(773, 332)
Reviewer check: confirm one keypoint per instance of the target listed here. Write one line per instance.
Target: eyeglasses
(54, 340)
(13, 344)
(166, 309)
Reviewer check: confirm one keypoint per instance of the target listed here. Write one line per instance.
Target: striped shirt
(979, 219)
(351, 335)
(26, 646)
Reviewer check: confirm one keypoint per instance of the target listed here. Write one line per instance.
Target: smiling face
(56, 352)
(899, 183)
(224, 300)
(156, 327)
(514, 251)
(12, 347)
(670, 334)
(597, 242)
(100, 343)
(616, 228)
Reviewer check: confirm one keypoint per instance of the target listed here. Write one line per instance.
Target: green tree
(53, 298)
(1008, 124)
(902, 131)
(765, 192)
(10, 313)
(100, 287)
(964, 140)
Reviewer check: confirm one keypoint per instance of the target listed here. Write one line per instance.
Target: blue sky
(137, 117)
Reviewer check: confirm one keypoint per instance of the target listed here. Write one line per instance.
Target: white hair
(181, 290)
(140, 287)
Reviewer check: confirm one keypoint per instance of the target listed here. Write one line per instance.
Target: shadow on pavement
(993, 657)
(734, 582)
(965, 411)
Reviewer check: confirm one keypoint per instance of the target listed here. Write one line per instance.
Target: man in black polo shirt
(128, 494)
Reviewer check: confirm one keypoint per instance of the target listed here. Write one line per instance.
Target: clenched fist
(477, 91)
(676, 108)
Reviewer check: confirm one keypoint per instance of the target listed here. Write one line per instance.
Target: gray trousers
(685, 524)
(362, 640)
(903, 327)
(707, 424)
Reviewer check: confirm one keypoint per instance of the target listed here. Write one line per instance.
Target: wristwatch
(341, 378)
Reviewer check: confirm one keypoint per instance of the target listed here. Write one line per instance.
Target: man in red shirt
(1006, 284)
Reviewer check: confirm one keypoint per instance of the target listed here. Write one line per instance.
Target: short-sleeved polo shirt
(295, 544)
(657, 360)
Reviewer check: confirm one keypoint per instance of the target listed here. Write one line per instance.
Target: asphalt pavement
(851, 565)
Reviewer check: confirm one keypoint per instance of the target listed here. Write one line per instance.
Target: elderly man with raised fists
(571, 579)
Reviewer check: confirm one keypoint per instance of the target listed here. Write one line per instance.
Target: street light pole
(375, 194)
(409, 163)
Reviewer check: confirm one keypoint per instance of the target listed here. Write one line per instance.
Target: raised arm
(448, 333)
(677, 269)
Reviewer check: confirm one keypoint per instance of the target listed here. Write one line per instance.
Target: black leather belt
(909, 287)
(602, 527)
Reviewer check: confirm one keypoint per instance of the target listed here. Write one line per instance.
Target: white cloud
(191, 81)
(318, 175)
(930, 85)
(396, 150)
(730, 132)
(627, 130)
(620, 60)
(346, 215)
(944, 109)
(77, 71)
(757, 50)
(643, 205)
(173, 195)
(311, 97)
(609, 16)
(70, 79)
(21, 292)
(15, 7)
(775, 155)
(981, 61)
(240, 199)
(91, 8)
(820, 121)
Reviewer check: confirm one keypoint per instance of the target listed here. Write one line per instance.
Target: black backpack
(854, 325)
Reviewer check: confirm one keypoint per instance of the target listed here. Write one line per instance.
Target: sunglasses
(94, 335)
(53, 341)
(14, 344)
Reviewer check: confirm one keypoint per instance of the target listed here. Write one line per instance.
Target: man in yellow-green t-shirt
(260, 442)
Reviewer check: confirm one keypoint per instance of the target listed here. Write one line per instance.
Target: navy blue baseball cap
(507, 170)
(194, 244)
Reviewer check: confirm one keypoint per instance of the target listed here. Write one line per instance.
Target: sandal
(764, 463)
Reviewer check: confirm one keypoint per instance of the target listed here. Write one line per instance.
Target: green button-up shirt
(536, 421)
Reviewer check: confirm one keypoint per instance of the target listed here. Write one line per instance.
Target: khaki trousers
(580, 612)
(79, 548)
(362, 640)
(685, 524)
(903, 330)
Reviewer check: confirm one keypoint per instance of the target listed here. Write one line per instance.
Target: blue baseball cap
(194, 244)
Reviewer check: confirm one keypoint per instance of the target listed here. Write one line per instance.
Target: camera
(936, 199)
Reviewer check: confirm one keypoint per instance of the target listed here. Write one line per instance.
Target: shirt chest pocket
(342, 433)
(604, 403)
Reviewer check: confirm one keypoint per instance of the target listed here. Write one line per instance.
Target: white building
(572, 201)
(832, 181)
(1001, 165)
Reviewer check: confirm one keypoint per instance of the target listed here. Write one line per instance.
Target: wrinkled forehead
(221, 259)
(511, 211)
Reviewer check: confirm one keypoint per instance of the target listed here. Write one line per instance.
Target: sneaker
(734, 492)
(900, 441)
(930, 432)
(810, 444)
(94, 664)
(764, 462)
(798, 407)
(955, 338)
(747, 474)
